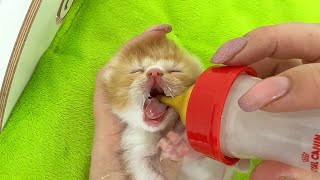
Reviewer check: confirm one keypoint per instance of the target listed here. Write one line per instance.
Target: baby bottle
(217, 127)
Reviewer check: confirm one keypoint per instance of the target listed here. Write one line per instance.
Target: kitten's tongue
(154, 109)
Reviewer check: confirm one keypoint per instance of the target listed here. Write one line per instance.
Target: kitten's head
(148, 66)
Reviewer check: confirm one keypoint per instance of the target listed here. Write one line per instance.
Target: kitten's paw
(176, 146)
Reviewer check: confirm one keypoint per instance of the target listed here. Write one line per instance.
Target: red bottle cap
(205, 108)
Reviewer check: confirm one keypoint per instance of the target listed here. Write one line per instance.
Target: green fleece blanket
(49, 134)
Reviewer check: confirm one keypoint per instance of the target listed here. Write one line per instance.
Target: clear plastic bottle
(218, 128)
(292, 138)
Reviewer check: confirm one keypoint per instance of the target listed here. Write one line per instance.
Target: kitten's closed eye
(138, 70)
(174, 71)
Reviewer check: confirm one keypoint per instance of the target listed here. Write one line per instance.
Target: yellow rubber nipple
(179, 103)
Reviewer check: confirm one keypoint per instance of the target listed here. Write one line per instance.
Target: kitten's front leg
(141, 155)
(175, 146)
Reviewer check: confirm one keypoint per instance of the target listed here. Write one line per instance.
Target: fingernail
(163, 27)
(228, 50)
(264, 92)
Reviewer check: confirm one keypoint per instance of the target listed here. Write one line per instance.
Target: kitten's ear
(108, 69)
(106, 74)
(100, 78)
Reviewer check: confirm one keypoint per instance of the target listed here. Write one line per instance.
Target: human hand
(106, 162)
(287, 56)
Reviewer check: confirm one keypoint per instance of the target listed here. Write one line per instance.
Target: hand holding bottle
(282, 54)
(287, 56)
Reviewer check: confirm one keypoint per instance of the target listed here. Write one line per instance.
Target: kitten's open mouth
(154, 111)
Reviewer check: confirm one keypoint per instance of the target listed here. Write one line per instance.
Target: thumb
(292, 90)
(277, 171)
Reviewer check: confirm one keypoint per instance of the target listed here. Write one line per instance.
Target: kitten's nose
(154, 72)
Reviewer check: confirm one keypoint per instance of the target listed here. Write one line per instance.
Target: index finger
(283, 41)
(157, 31)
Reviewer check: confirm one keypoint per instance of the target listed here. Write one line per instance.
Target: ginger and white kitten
(147, 66)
